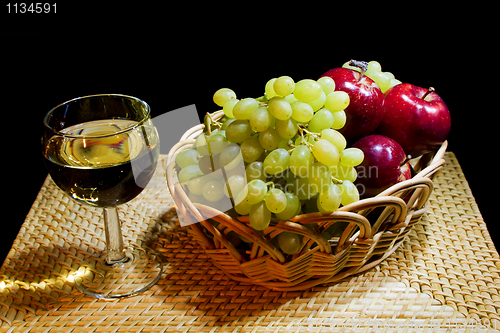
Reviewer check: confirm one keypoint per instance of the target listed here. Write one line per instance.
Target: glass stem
(114, 239)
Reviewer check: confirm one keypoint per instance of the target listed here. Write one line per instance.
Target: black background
(172, 58)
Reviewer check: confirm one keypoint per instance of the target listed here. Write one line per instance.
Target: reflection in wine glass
(102, 151)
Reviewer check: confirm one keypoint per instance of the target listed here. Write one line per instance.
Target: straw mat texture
(445, 277)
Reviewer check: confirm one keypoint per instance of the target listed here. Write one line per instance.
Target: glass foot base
(138, 272)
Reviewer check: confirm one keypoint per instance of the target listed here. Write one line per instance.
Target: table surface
(445, 275)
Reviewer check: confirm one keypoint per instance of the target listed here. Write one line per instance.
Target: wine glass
(102, 151)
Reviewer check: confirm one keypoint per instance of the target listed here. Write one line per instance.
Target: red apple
(416, 118)
(385, 164)
(365, 110)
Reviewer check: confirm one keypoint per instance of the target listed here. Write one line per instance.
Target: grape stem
(313, 134)
(336, 180)
(271, 183)
(431, 89)
(305, 141)
(209, 122)
(262, 100)
(362, 65)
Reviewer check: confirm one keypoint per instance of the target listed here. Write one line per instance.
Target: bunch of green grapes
(275, 156)
(385, 80)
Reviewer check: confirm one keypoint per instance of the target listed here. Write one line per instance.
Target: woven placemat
(444, 278)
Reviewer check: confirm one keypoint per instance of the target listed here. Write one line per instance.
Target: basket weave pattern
(376, 227)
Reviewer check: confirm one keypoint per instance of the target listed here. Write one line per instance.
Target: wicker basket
(375, 229)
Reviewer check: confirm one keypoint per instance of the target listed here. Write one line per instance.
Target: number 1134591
(32, 8)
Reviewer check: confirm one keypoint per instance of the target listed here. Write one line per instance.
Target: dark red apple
(385, 164)
(365, 110)
(416, 118)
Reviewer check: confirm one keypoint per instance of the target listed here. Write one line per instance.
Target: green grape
(334, 137)
(222, 95)
(307, 90)
(209, 163)
(327, 84)
(269, 89)
(337, 101)
(279, 108)
(349, 191)
(291, 99)
(251, 149)
(385, 80)
(373, 67)
(275, 200)
(394, 82)
(255, 170)
(319, 177)
(344, 172)
(284, 85)
(201, 145)
(229, 106)
(321, 120)
(276, 162)
(226, 123)
(292, 206)
(269, 139)
(381, 79)
(257, 190)
(241, 199)
(330, 198)
(230, 157)
(234, 185)
(261, 119)
(216, 142)
(302, 112)
(260, 216)
(302, 188)
(339, 119)
(325, 152)
(242, 207)
(189, 172)
(289, 242)
(351, 157)
(213, 190)
(301, 160)
(318, 207)
(243, 109)
(285, 143)
(195, 184)
(319, 102)
(187, 157)
(238, 131)
(287, 129)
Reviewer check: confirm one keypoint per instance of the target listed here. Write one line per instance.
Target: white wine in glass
(102, 150)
